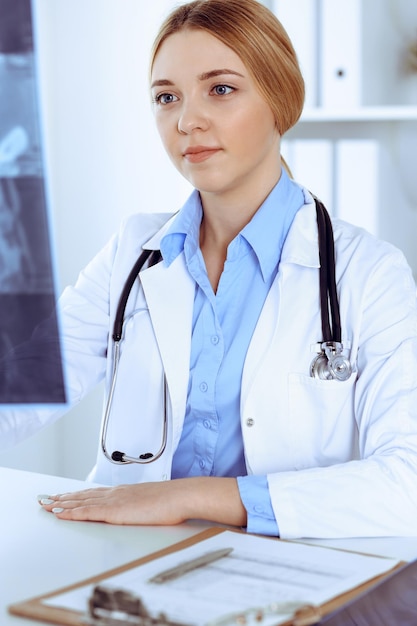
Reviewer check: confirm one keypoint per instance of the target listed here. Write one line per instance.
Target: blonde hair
(258, 38)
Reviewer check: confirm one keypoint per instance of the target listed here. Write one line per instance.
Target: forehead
(194, 52)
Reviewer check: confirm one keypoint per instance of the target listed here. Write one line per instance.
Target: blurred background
(355, 146)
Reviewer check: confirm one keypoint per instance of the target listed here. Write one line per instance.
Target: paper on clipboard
(257, 573)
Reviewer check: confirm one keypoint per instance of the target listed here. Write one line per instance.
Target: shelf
(361, 114)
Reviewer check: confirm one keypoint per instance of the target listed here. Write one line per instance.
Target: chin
(206, 184)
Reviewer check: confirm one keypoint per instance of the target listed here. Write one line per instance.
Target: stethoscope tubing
(154, 257)
(330, 364)
(328, 290)
(109, 403)
(116, 456)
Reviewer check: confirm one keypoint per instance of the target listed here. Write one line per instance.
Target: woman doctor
(231, 315)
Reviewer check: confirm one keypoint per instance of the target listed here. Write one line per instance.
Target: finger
(42, 497)
(82, 511)
(105, 505)
(85, 494)
(46, 500)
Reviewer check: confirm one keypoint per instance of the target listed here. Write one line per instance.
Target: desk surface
(39, 553)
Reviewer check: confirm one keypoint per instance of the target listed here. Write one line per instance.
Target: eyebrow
(222, 72)
(164, 82)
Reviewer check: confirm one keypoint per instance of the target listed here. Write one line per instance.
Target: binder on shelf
(311, 163)
(300, 20)
(265, 568)
(341, 53)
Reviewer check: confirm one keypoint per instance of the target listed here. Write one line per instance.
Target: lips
(197, 154)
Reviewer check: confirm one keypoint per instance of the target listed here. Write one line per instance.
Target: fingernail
(47, 501)
(43, 496)
(57, 509)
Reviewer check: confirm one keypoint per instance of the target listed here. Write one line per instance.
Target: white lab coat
(341, 457)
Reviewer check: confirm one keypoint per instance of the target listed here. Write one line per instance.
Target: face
(215, 126)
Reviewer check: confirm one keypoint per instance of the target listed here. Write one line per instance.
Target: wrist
(212, 499)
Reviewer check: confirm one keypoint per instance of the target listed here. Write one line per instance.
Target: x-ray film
(30, 356)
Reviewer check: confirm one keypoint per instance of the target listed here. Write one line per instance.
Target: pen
(189, 566)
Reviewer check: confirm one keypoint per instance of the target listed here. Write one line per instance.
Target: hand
(157, 503)
(147, 503)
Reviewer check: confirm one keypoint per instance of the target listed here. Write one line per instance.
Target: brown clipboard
(35, 609)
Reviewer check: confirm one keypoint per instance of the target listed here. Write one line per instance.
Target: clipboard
(306, 615)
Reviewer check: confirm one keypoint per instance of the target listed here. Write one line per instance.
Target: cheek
(258, 135)
(267, 131)
(166, 131)
(254, 127)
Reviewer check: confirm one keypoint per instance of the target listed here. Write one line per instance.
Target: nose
(192, 117)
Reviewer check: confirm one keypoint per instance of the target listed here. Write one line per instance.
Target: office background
(105, 160)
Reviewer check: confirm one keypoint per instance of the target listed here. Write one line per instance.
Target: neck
(226, 214)
(224, 217)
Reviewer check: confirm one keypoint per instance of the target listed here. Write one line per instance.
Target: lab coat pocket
(322, 423)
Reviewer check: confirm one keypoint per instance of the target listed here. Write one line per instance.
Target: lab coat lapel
(300, 248)
(169, 293)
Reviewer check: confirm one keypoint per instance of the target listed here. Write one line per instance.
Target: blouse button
(250, 422)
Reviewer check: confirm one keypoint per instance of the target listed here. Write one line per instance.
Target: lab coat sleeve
(375, 494)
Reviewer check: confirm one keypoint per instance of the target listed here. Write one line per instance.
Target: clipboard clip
(117, 607)
(302, 615)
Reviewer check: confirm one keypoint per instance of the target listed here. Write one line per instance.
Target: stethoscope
(152, 257)
(328, 364)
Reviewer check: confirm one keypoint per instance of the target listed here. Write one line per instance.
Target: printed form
(257, 573)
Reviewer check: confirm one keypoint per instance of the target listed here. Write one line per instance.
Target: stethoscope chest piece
(330, 364)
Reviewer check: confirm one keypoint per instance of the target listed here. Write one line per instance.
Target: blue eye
(222, 90)
(165, 98)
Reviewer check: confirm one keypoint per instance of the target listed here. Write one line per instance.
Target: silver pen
(189, 566)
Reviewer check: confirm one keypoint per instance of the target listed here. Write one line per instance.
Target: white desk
(39, 553)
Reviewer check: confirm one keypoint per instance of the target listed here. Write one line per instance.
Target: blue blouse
(223, 323)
